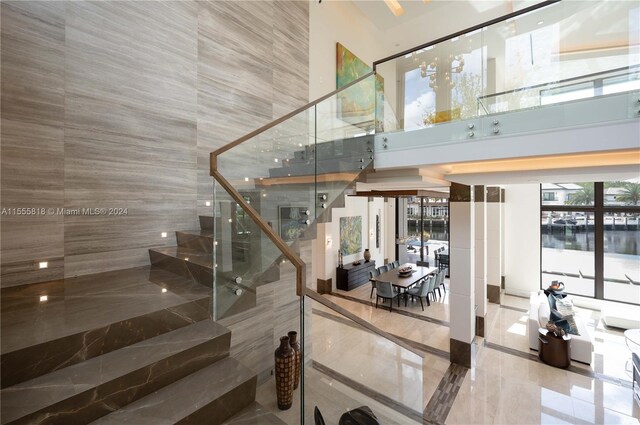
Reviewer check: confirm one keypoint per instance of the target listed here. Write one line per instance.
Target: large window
(422, 228)
(590, 239)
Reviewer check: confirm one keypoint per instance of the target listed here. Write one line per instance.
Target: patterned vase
(367, 256)
(295, 345)
(285, 360)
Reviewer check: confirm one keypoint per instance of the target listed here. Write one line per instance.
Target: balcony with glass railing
(553, 67)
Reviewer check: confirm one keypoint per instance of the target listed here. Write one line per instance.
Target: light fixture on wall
(329, 242)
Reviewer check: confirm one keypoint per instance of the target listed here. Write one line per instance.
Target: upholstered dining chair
(421, 290)
(385, 291)
(383, 269)
(440, 282)
(396, 264)
(373, 273)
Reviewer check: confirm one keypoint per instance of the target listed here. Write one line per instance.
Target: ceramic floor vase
(295, 345)
(285, 360)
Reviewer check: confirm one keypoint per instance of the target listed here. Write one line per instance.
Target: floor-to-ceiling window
(423, 228)
(590, 238)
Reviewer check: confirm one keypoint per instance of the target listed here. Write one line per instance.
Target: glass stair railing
(276, 184)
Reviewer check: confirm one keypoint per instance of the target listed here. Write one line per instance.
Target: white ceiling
(601, 25)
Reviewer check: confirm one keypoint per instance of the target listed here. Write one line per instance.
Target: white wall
(327, 255)
(522, 238)
(338, 21)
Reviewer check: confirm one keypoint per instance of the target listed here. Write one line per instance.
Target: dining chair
(390, 266)
(382, 269)
(432, 286)
(439, 277)
(373, 273)
(385, 291)
(441, 283)
(396, 264)
(422, 290)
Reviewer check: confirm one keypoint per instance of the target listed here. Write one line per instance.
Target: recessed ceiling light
(394, 7)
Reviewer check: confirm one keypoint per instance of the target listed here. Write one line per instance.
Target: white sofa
(581, 345)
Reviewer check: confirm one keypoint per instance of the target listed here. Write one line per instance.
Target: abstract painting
(350, 235)
(292, 222)
(361, 103)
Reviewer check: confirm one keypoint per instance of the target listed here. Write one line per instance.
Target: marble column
(494, 245)
(480, 208)
(461, 284)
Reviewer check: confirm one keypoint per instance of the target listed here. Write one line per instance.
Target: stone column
(494, 245)
(480, 207)
(461, 283)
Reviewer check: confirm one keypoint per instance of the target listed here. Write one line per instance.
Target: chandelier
(453, 65)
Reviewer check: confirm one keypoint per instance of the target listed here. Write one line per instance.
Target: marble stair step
(52, 325)
(255, 414)
(201, 240)
(91, 389)
(186, 262)
(209, 396)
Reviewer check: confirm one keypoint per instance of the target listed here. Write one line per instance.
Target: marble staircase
(130, 346)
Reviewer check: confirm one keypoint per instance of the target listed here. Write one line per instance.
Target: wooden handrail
(466, 31)
(264, 226)
(286, 117)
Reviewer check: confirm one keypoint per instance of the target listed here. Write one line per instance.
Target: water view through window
(568, 245)
(582, 223)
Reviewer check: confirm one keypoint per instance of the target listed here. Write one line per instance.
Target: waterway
(615, 241)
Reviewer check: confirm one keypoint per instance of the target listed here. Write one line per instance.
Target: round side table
(632, 339)
(554, 350)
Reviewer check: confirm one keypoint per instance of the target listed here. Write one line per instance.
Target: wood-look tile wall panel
(250, 48)
(118, 104)
(32, 139)
(131, 128)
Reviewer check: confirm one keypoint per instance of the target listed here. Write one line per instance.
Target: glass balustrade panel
(345, 123)
(544, 69)
(348, 367)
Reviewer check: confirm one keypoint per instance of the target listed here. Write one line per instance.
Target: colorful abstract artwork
(350, 235)
(292, 222)
(361, 103)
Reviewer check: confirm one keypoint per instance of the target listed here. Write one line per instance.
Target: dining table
(403, 282)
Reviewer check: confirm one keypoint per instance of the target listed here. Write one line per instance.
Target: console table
(351, 276)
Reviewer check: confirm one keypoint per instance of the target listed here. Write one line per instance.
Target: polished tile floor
(507, 385)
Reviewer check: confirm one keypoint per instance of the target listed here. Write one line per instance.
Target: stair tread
(38, 393)
(176, 401)
(254, 414)
(84, 303)
(208, 233)
(190, 255)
